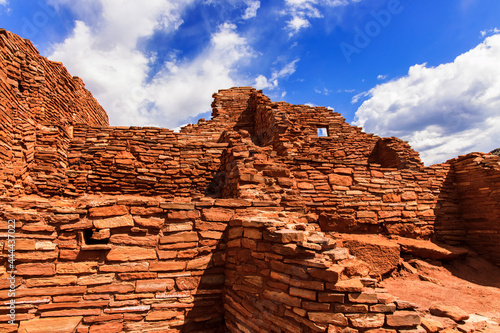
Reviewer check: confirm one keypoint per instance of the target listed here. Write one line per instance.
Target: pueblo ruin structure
(247, 222)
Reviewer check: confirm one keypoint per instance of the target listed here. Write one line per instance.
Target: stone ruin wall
(39, 104)
(227, 225)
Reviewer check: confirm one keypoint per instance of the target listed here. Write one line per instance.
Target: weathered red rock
(452, 312)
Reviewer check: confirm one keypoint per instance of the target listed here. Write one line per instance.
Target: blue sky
(425, 71)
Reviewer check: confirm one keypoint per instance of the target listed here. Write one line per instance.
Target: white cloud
(443, 111)
(105, 52)
(381, 77)
(251, 11)
(4, 2)
(185, 89)
(301, 11)
(261, 82)
(490, 32)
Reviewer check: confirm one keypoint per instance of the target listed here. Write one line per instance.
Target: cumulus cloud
(301, 11)
(251, 11)
(262, 82)
(442, 111)
(105, 51)
(184, 89)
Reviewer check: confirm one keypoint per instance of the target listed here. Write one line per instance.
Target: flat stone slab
(50, 325)
(429, 250)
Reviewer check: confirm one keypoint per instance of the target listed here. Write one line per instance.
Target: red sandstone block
(25, 245)
(280, 277)
(107, 318)
(279, 266)
(217, 214)
(177, 205)
(166, 266)
(183, 215)
(304, 293)
(282, 297)
(187, 283)
(384, 214)
(111, 327)
(273, 171)
(124, 297)
(120, 288)
(253, 233)
(210, 226)
(73, 305)
(383, 308)
(187, 254)
(145, 210)
(115, 210)
(66, 324)
(157, 315)
(123, 239)
(352, 285)
(328, 318)
(305, 186)
(332, 274)
(313, 306)
(68, 254)
(152, 222)
(200, 263)
(136, 276)
(326, 297)
(114, 222)
(36, 269)
(285, 236)
(131, 253)
(391, 197)
(97, 297)
(178, 226)
(66, 299)
(351, 308)
(366, 214)
(50, 291)
(189, 236)
(177, 246)
(154, 285)
(363, 298)
(407, 196)
(125, 267)
(368, 320)
(376, 174)
(338, 180)
(76, 268)
(126, 309)
(403, 319)
(36, 256)
(80, 225)
(232, 203)
(91, 280)
(211, 235)
(53, 281)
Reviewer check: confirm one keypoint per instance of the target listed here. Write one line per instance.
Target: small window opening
(322, 132)
(95, 237)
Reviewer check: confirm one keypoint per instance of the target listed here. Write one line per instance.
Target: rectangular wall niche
(322, 132)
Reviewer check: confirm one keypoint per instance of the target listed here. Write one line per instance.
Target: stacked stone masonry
(228, 225)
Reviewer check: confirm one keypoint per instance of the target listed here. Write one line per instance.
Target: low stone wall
(284, 276)
(116, 264)
(478, 187)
